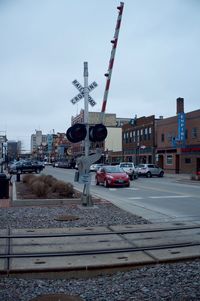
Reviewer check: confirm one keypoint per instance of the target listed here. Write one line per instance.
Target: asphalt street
(156, 199)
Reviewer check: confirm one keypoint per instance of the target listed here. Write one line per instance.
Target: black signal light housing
(76, 133)
(98, 133)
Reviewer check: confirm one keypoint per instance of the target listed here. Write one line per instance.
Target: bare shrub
(45, 185)
(63, 189)
(27, 178)
(39, 188)
(48, 179)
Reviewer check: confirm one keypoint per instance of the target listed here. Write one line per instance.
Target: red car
(112, 176)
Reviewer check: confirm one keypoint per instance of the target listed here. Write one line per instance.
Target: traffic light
(98, 133)
(76, 133)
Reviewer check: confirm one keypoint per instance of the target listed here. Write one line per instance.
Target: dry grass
(47, 185)
(39, 188)
(63, 189)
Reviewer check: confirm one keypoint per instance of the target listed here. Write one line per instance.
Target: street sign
(78, 97)
(83, 179)
(91, 101)
(92, 86)
(78, 85)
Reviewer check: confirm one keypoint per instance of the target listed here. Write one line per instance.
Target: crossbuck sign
(91, 87)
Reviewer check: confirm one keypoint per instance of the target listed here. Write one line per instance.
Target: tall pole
(86, 121)
(86, 198)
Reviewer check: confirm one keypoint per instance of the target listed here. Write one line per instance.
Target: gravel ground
(175, 281)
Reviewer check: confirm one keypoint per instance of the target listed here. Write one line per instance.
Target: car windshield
(113, 169)
(141, 165)
(125, 165)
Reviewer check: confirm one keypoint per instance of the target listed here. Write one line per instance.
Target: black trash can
(4, 186)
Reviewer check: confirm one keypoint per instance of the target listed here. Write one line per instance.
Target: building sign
(179, 141)
(181, 127)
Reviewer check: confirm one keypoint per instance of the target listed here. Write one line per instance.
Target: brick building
(138, 140)
(178, 141)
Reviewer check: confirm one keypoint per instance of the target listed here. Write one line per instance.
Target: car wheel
(148, 175)
(131, 177)
(37, 170)
(97, 182)
(161, 174)
(128, 185)
(135, 176)
(106, 184)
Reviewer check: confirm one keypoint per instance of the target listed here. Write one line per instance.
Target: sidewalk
(182, 177)
(178, 176)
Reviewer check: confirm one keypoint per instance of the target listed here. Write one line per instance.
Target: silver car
(149, 170)
(95, 167)
(130, 169)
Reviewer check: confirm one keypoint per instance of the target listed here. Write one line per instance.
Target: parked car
(111, 176)
(62, 164)
(150, 170)
(130, 169)
(47, 163)
(24, 166)
(95, 167)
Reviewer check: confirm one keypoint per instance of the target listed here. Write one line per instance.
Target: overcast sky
(45, 42)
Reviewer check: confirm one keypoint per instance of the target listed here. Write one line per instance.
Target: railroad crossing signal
(78, 132)
(91, 87)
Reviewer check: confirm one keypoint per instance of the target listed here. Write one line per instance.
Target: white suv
(150, 170)
(130, 169)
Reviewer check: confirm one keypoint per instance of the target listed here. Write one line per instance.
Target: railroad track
(49, 251)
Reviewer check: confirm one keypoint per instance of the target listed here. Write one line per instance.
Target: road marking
(133, 188)
(169, 196)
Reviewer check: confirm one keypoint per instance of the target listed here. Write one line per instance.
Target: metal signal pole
(86, 114)
(86, 197)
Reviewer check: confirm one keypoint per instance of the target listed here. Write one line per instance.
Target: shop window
(194, 133)
(149, 133)
(169, 160)
(133, 136)
(187, 160)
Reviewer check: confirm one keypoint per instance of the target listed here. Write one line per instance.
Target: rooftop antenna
(111, 62)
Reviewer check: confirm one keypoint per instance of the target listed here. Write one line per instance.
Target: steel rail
(101, 251)
(98, 233)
